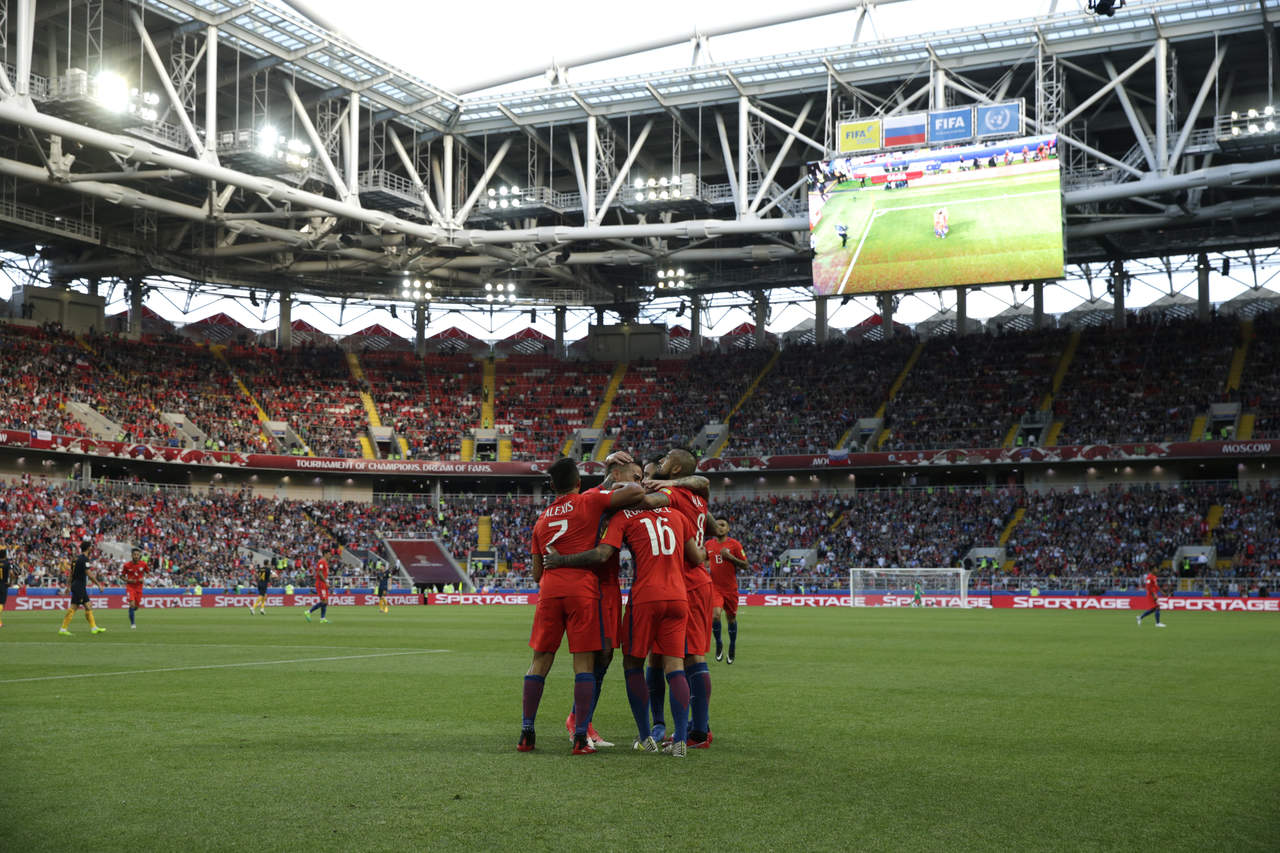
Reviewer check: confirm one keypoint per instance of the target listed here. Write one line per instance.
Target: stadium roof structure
(232, 143)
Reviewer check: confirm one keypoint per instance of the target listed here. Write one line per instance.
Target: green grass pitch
(1005, 229)
(878, 729)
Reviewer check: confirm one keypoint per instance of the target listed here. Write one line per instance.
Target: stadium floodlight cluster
(1253, 121)
(660, 189)
(672, 279)
(416, 290)
(500, 291)
(108, 92)
(504, 197)
(295, 153)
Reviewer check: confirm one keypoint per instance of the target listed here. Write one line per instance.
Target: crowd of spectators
(1147, 382)
(968, 391)
(1099, 536)
(546, 400)
(1248, 535)
(667, 402)
(1260, 381)
(310, 388)
(39, 369)
(812, 395)
(430, 402)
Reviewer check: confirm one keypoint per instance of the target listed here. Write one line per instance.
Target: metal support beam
(1202, 287)
(135, 306)
(761, 311)
(1210, 78)
(728, 163)
(353, 149)
(962, 311)
(25, 37)
(744, 108)
(1118, 279)
(621, 177)
(420, 330)
(577, 166)
(284, 331)
(886, 315)
(791, 132)
(194, 138)
(1162, 106)
(1232, 173)
(317, 144)
(211, 92)
(494, 163)
(589, 200)
(1135, 120)
(781, 155)
(561, 317)
(1100, 93)
(1037, 305)
(446, 187)
(412, 171)
(695, 325)
(820, 319)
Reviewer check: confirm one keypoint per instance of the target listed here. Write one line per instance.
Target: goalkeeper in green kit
(917, 599)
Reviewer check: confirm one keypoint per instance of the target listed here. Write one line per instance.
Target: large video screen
(901, 220)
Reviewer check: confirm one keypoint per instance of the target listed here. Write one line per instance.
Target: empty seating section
(546, 400)
(814, 394)
(311, 389)
(1260, 382)
(430, 402)
(967, 392)
(1144, 383)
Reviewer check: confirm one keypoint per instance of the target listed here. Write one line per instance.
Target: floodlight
(1253, 128)
(1235, 131)
(639, 183)
(488, 285)
(492, 191)
(1269, 110)
(1253, 113)
(511, 285)
(1269, 126)
(112, 91)
(492, 203)
(502, 191)
(504, 203)
(639, 196)
(488, 297)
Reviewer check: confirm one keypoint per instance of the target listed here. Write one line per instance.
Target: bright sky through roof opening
(459, 45)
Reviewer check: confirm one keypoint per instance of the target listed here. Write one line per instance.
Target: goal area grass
(835, 729)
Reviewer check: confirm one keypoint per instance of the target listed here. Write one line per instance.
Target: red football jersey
(693, 508)
(610, 569)
(134, 571)
(724, 574)
(1153, 585)
(322, 572)
(572, 525)
(656, 538)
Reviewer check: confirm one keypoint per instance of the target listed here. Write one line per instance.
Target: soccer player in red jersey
(662, 541)
(675, 484)
(133, 572)
(620, 468)
(568, 598)
(726, 557)
(321, 570)
(1153, 599)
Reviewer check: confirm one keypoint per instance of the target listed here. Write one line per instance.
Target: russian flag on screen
(904, 130)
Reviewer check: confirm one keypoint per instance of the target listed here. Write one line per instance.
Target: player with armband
(662, 542)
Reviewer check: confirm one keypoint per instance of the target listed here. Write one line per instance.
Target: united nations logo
(996, 120)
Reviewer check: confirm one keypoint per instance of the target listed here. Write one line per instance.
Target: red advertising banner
(1000, 602)
(781, 462)
(152, 601)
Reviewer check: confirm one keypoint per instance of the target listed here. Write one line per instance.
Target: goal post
(892, 586)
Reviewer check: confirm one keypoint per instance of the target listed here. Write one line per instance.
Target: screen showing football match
(978, 213)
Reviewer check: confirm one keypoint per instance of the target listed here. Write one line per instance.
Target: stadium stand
(546, 400)
(1260, 382)
(428, 401)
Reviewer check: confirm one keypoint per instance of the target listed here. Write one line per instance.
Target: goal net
(896, 587)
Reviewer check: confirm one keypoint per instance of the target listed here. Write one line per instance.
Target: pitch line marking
(881, 211)
(219, 666)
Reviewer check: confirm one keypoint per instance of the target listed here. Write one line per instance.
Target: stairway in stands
(893, 392)
(1059, 376)
(605, 445)
(371, 411)
(220, 353)
(718, 448)
(1007, 533)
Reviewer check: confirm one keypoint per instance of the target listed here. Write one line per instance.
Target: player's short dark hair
(564, 475)
(85, 545)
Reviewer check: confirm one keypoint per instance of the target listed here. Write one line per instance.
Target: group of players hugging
(685, 576)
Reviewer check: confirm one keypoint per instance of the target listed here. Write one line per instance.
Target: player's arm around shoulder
(582, 560)
(626, 495)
